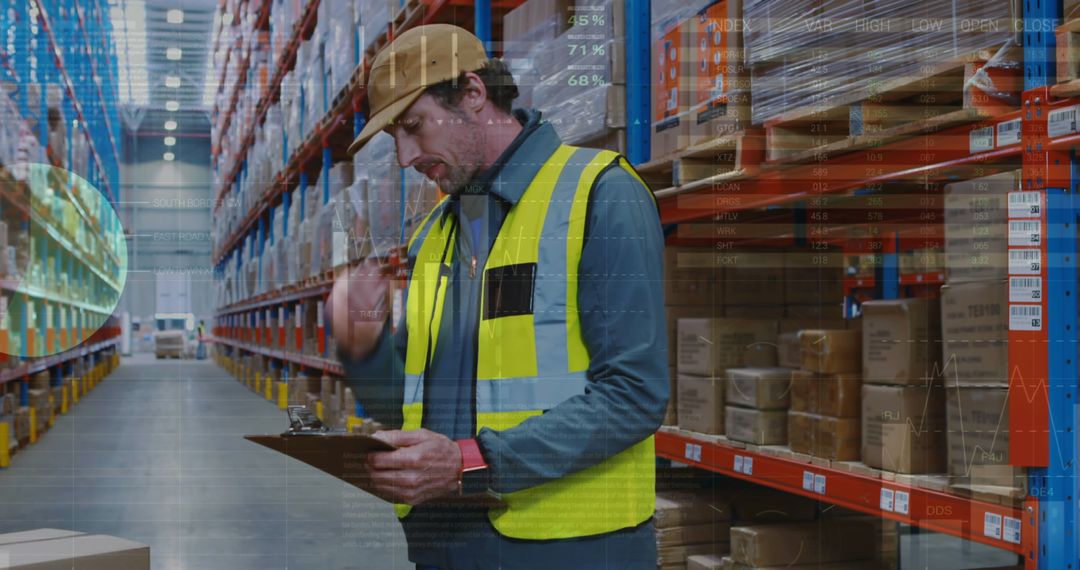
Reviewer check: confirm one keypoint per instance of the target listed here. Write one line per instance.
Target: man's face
(446, 145)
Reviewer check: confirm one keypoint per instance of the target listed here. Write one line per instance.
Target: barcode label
(1025, 289)
(981, 140)
(1025, 232)
(1025, 262)
(738, 463)
(819, 484)
(992, 525)
(1025, 317)
(1061, 122)
(1011, 532)
(807, 481)
(1025, 204)
(693, 452)
(748, 465)
(887, 499)
(1008, 133)
(901, 502)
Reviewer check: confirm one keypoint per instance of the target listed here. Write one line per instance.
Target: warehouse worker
(200, 352)
(531, 358)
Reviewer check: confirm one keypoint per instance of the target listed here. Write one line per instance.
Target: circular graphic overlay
(63, 261)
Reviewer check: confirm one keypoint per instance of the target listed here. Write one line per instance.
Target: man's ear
(475, 93)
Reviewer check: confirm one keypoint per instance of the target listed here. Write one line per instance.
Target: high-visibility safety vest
(530, 352)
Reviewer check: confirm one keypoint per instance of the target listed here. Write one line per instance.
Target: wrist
(473, 472)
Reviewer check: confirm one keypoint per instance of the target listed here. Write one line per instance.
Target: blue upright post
(638, 58)
(482, 10)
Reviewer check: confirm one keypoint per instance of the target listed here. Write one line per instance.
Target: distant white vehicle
(170, 334)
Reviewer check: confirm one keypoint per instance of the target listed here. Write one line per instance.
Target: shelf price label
(887, 498)
(1061, 122)
(1008, 133)
(744, 465)
(901, 502)
(738, 463)
(981, 139)
(1025, 317)
(1025, 289)
(693, 452)
(1025, 232)
(807, 481)
(819, 484)
(1025, 262)
(992, 525)
(1025, 204)
(1011, 530)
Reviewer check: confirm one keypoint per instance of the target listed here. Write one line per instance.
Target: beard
(467, 153)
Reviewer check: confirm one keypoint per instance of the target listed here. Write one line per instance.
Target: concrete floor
(155, 454)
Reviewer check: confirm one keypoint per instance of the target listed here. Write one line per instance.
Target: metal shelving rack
(242, 326)
(1043, 362)
(65, 43)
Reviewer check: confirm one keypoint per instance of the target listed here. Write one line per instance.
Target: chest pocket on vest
(509, 290)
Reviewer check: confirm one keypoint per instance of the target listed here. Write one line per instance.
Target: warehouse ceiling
(165, 46)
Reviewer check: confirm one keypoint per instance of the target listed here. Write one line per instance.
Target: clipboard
(343, 454)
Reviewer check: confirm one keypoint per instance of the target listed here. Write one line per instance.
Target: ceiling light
(170, 141)
(172, 81)
(174, 53)
(169, 156)
(175, 16)
(172, 105)
(170, 125)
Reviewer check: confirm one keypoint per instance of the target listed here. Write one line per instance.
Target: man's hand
(358, 307)
(426, 466)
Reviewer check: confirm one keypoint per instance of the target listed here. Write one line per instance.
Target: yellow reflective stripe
(576, 349)
(424, 307)
(424, 226)
(500, 421)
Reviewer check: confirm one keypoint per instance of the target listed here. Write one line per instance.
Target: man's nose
(407, 151)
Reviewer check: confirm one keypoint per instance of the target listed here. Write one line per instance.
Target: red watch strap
(471, 458)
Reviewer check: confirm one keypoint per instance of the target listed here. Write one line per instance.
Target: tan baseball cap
(415, 60)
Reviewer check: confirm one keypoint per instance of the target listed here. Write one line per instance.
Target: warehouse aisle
(155, 454)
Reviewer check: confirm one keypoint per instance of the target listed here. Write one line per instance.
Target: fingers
(401, 438)
(407, 458)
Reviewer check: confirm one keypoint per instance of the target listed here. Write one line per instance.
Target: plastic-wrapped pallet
(341, 38)
(382, 178)
(374, 18)
(804, 52)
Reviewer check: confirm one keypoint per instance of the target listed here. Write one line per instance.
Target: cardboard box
(831, 351)
(682, 508)
(788, 352)
(901, 341)
(801, 428)
(827, 437)
(674, 314)
(728, 563)
(803, 543)
(903, 428)
(710, 532)
(674, 556)
(708, 347)
(701, 404)
(692, 276)
(978, 438)
(976, 228)
(704, 562)
(836, 395)
(753, 278)
(670, 92)
(759, 427)
(52, 549)
(814, 278)
(975, 333)
(536, 21)
(761, 388)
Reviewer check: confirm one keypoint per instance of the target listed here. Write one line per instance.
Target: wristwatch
(473, 477)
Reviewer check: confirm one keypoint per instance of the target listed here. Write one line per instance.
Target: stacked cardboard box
(689, 523)
(903, 401)
(825, 415)
(693, 282)
(975, 306)
(757, 400)
(814, 543)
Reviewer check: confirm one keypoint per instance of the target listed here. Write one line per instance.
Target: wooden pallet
(1068, 59)
(730, 157)
(897, 108)
(376, 45)
(409, 14)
